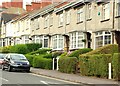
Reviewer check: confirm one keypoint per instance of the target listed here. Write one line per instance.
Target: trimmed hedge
(116, 66)
(40, 62)
(40, 51)
(107, 49)
(67, 64)
(95, 65)
(76, 53)
(4, 50)
(33, 46)
(48, 56)
(33, 61)
(57, 53)
(20, 48)
(30, 58)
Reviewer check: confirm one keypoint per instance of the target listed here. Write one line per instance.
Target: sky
(28, 1)
(24, 2)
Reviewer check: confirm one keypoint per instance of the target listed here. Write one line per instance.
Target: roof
(6, 17)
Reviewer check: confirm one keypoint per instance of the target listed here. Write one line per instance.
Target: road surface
(18, 78)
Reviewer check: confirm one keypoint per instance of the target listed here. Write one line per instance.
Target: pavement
(75, 77)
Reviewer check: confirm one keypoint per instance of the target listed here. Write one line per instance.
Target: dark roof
(6, 17)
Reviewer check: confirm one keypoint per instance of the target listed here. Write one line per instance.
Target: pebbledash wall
(67, 25)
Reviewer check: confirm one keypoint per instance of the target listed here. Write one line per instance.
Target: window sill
(27, 28)
(117, 16)
(60, 26)
(45, 27)
(89, 19)
(37, 28)
(105, 20)
(67, 23)
(79, 22)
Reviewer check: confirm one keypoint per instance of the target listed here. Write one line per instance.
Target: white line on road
(53, 78)
(44, 82)
(4, 79)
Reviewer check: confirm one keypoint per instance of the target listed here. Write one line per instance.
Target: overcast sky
(28, 1)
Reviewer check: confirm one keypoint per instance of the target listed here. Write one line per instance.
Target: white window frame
(76, 40)
(51, 20)
(89, 11)
(60, 19)
(26, 39)
(68, 15)
(106, 11)
(80, 14)
(118, 8)
(46, 21)
(58, 42)
(102, 34)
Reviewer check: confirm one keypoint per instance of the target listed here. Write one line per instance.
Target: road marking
(44, 82)
(53, 78)
(4, 79)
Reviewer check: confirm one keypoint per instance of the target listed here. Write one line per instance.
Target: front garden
(86, 62)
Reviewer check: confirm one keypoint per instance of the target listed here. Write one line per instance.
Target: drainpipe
(85, 24)
(113, 21)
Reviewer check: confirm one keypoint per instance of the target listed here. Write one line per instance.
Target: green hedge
(48, 56)
(20, 48)
(40, 62)
(76, 53)
(116, 66)
(67, 64)
(107, 49)
(33, 46)
(4, 50)
(30, 58)
(57, 53)
(40, 51)
(95, 65)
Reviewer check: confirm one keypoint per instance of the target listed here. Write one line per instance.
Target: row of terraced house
(66, 25)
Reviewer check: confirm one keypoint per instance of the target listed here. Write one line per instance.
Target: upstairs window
(51, 20)
(118, 8)
(80, 15)
(60, 19)
(106, 11)
(67, 17)
(46, 21)
(89, 11)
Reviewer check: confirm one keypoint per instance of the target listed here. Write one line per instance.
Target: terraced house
(69, 25)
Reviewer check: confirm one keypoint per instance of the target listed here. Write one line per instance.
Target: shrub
(40, 51)
(107, 49)
(20, 48)
(5, 50)
(67, 64)
(33, 46)
(57, 53)
(116, 66)
(63, 54)
(95, 65)
(40, 62)
(30, 58)
(76, 53)
(49, 56)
